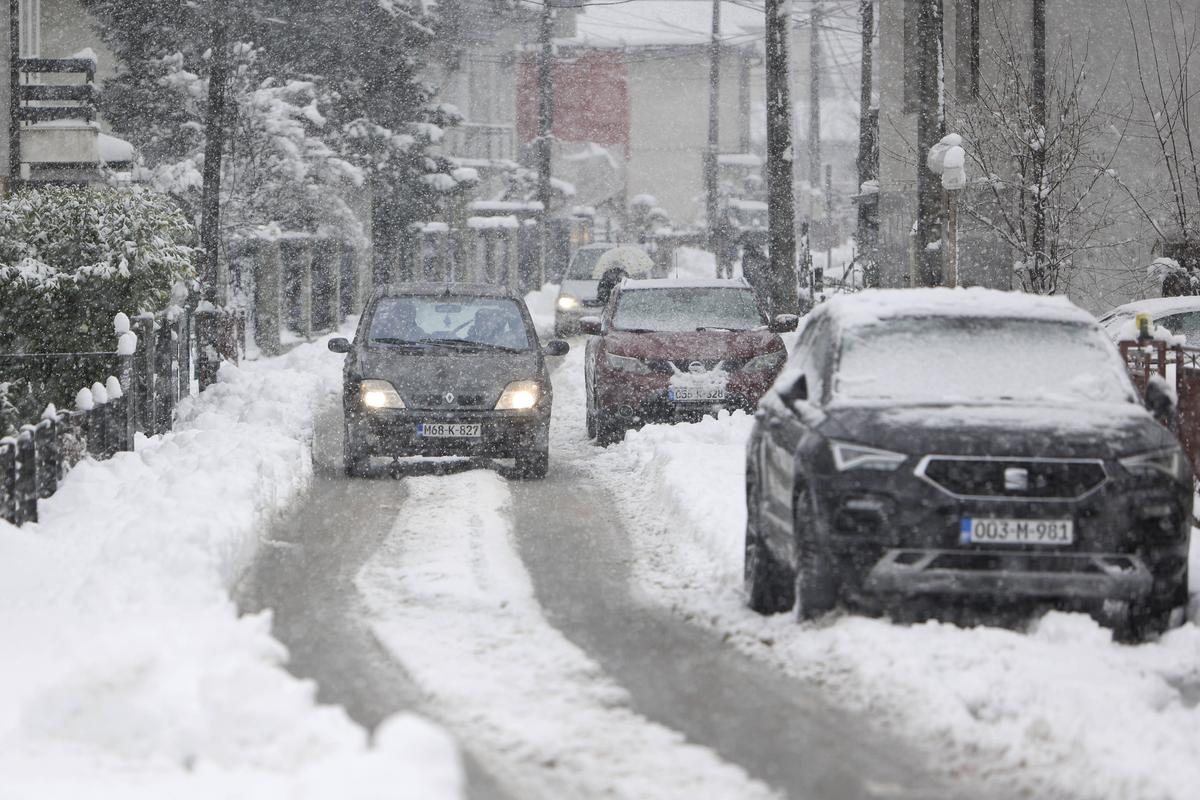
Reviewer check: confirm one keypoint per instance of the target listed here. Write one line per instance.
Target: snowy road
(507, 612)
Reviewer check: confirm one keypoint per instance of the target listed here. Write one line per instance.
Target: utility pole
(814, 98)
(712, 212)
(1038, 84)
(781, 212)
(14, 94)
(545, 145)
(930, 129)
(868, 147)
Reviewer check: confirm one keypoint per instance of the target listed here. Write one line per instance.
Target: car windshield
(687, 309)
(979, 360)
(453, 321)
(583, 263)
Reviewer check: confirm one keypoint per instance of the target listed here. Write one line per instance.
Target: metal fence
(153, 372)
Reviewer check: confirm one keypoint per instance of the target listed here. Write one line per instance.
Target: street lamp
(948, 160)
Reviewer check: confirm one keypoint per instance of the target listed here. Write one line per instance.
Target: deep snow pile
(127, 670)
(1057, 710)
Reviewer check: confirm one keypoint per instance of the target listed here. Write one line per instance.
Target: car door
(786, 422)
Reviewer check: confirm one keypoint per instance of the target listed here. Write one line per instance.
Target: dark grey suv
(948, 449)
(446, 370)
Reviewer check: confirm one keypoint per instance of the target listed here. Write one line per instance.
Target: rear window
(487, 321)
(687, 309)
(972, 360)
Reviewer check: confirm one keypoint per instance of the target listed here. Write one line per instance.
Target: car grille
(1013, 479)
(440, 401)
(669, 367)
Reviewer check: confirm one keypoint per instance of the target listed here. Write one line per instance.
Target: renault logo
(1016, 479)
(696, 367)
(448, 397)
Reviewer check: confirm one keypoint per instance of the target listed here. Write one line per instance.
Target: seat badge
(1016, 479)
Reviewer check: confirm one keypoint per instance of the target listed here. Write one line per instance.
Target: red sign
(591, 98)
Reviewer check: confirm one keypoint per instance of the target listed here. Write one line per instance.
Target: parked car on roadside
(935, 449)
(446, 370)
(668, 350)
(577, 296)
(1179, 315)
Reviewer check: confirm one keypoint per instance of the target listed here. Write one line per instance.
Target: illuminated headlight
(379, 394)
(519, 396)
(627, 364)
(566, 302)
(848, 456)
(765, 362)
(1171, 463)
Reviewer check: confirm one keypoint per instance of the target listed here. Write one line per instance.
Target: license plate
(448, 430)
(695, 394)
(991, 530)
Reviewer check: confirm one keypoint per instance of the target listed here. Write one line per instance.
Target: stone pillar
(268, 282)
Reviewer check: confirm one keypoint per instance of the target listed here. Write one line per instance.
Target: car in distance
(446, 370)
(577, 296)
(1179, 315)
(944, 449)
(669, 349)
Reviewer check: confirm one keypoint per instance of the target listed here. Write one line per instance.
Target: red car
(668, 350)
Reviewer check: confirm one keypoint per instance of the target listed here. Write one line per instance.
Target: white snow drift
(127, 670)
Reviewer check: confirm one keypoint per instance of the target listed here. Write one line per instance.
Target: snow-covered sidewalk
(127, 671)
(1059, 710)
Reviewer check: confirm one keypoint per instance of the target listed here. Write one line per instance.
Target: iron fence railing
(153, 372)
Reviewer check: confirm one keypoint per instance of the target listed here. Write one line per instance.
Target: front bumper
(503, 434)
(640, 399)
(566, 321)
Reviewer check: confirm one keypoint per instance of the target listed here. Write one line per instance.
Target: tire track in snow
(453, 602)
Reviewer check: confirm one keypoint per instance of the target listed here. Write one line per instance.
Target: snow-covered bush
(70, 259)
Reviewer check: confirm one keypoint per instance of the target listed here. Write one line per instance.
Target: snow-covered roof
(864, 308)
(1155, 307)
(657, 23)
(684, 283)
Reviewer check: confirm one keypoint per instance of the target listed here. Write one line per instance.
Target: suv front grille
(440, 401)
(1013, 478)
(668, 367)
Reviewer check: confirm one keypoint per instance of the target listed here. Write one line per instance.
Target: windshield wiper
(461, 344)
(418, 344)
(635, 330)
(717, 328)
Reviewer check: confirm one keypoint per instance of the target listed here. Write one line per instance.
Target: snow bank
(127, 670)
(1058, 711)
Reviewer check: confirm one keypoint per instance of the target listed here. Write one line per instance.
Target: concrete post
(268, 297)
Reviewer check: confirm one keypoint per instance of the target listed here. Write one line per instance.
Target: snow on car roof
(863, 308)
(683, 283)
(1155, 307)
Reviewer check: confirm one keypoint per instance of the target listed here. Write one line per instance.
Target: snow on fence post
(8, 480)
(49, 452)
(143, 394)
(126, 348)
(26, 477)
(351, 280)
(326, 284)
(100, 422)
(164, 385)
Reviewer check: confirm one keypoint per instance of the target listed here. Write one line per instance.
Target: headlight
(765, 362)
(379, 394)
(1171, 463)
(566, 302)
(855, 456)
(519, 396)
(627, 364)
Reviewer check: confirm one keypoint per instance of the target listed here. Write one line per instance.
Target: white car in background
(577, 296)
(1179, 315)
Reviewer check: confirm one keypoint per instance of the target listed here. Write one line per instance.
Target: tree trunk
(930, 129)
(214, 133)
(1039, 280)
(545, 149)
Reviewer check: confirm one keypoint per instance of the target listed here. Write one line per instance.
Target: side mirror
(1160, 401)
(592, 326)
(339, 344)
(784, 323)
(796, 390)
(556, 347)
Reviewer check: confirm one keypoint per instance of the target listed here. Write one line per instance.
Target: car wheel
(815, 586)
(1149, 618)
(590, 423)
(533, 465)
(609, 430)
(356, 461)
(770, 585)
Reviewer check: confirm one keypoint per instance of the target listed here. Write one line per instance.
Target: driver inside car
(495, 326)
(397, 320)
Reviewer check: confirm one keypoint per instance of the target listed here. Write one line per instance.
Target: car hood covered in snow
(1102, 430)
(713, 345)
